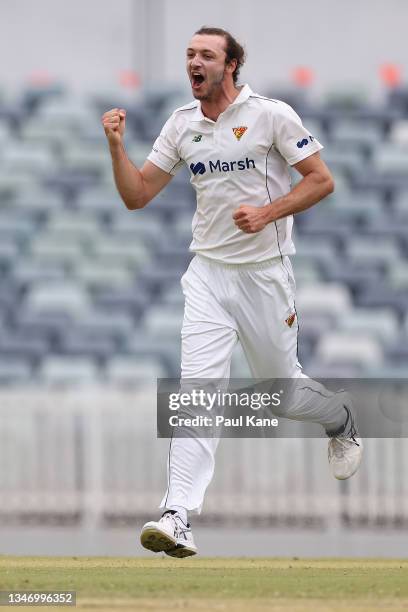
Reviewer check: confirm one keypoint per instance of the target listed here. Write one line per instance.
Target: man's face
(206, 66)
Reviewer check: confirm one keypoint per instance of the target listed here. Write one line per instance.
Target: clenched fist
(251, 219)
(113, 122)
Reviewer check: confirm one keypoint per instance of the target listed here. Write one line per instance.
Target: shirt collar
(243, 96)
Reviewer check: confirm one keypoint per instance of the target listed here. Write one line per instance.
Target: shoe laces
(352, 433)
(341, 444)
(177, 524)
(182, 528)
(168, 517)
(343, 441)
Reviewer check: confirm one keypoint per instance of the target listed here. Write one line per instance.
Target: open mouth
(197, 79)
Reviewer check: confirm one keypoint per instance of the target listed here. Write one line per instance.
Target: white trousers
(253, 304)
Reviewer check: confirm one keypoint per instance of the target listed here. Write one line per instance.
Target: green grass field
(162, 584)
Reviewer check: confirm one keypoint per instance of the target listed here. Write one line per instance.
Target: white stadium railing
(92, 455)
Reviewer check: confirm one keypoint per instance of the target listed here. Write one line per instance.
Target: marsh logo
(197, 168)
(304, 142)
(222, 166)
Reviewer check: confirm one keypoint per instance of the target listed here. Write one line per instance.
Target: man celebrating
(240, 285)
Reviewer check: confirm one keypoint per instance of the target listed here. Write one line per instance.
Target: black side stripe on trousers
(281, 256)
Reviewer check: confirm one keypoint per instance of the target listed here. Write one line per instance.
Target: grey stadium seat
(133, 370)
(115, 326)
(167, 349)
(381, 324)
(17, 345)
(45, 247)
(61, 370)
(349, 348)
(121, 251)
(391, 160)
(62, 297)
(381, 296)
(47, 324)
(77, 344)
(138, 226)
(27, 272)
(364, 136)
(131, 300)
(27, 157)
(163, 321)
(330, 298)
(399, 132)
(103, 273)
(360, 250)
(156, 280)
(15, 371)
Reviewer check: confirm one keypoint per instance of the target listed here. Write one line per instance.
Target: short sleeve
(164, 153)
(293, 141)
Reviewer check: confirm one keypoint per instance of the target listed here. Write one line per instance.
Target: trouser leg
(268, 330)
(208, 339)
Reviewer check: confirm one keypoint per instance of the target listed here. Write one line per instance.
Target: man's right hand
(113, 122)
(136, 187)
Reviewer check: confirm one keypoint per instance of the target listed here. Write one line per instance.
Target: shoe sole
(181, 551)
(347, 476)
(350, 474)
(157, 541)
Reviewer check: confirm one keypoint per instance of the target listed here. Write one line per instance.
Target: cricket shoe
(170, 535)
(345, 450)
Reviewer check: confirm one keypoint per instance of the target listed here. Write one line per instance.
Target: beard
(213, 85)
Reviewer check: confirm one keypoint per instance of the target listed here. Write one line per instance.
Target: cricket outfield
(242, 584)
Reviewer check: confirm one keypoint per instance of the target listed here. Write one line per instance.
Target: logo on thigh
(291, 319)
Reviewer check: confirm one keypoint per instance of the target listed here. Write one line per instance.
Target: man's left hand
(250, 219)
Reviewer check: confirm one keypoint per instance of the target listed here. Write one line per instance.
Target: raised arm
(136, 187)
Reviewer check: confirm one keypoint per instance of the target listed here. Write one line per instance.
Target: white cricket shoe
(345, 456)
(169, 535)
(345, 449)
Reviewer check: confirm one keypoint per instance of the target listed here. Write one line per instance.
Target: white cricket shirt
(242, 158)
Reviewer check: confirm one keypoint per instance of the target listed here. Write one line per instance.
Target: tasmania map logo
(291, 319)
(239, 131)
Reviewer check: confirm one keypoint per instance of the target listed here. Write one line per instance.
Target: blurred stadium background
(90, 301)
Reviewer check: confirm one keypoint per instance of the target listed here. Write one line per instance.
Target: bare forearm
(310, 190)
(317, 182)
(128, 179)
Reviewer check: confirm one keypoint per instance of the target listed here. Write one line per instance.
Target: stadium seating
(332, 299)
(60, 297)
(15, 371)
(72, 371)
(341, 347)
(90, 290)
(399, 132)
(380, 324)
(131, 370)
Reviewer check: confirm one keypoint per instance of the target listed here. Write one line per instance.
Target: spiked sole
(156, 540)
(181, 551)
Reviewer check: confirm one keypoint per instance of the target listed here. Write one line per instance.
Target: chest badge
(239, 131)
(197, 138)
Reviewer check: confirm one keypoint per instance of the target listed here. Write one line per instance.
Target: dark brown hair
(233, 49)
